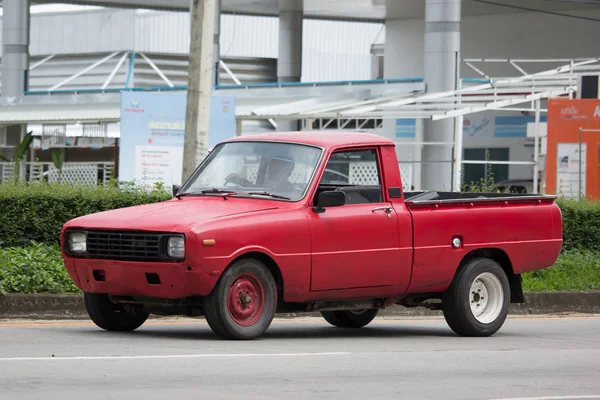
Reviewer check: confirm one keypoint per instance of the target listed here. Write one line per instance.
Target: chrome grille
(124, 246)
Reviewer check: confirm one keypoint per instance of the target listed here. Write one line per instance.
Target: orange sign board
(573, 167)
(575, 112)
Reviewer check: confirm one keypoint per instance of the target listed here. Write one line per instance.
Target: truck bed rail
(434, 197)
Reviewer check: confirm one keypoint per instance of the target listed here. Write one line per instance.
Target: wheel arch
(499, 256)
(269, 262)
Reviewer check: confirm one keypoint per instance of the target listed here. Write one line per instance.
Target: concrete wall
(523, 35)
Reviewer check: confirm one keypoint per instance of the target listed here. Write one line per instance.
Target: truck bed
(525, 228)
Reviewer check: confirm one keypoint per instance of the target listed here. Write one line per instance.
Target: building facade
(414, 46)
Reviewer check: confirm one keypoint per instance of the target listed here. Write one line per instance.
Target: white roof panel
(54, 113)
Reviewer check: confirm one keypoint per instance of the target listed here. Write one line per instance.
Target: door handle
(387, 209)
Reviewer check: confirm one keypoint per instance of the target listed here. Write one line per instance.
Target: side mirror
(176, 189)
(329, 198)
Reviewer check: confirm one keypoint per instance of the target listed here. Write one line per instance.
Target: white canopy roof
(367, 100)
(59, 113)
(476, 95)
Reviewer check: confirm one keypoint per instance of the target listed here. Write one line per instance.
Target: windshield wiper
(275, 196)
(206, 191)
(180, 195)
(215, 190)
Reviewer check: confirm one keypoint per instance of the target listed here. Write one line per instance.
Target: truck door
(355, 245)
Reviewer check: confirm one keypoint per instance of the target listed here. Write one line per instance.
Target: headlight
(176, 247)
(77, 242)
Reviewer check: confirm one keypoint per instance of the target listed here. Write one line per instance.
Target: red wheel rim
(246, 299)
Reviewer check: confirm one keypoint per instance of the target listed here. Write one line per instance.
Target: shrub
(581, 224)
(35, 269)
(35, 213)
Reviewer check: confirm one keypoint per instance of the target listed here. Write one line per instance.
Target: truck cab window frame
(356, 173)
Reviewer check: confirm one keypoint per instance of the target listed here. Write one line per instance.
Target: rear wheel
(350, 318)
(243, 303)
(110, 316)
(477, 301)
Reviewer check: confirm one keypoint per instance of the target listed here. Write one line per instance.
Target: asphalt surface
(539, 358)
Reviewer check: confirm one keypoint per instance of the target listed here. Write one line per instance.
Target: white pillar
(308, 124)
(23, 162)
(239, 125)
(217, 41)
(458, 150)
(418, 166)
(536, 149)
(289, 60)
(442, 57)
(15, 47)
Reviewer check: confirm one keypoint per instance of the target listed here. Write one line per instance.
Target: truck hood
(170, 216)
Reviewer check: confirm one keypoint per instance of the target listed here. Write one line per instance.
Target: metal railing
(73, 173)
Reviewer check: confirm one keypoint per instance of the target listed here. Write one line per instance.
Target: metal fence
(80, 173)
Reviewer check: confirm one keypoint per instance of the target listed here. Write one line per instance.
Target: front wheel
(243, 303)
(477, 301)
(350, 318)
(110, 316)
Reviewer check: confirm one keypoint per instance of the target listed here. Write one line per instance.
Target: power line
(536, 10)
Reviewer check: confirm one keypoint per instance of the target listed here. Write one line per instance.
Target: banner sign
(571, 171)
(483, 125)
(152, 133)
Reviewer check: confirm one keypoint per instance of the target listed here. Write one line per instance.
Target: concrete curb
(53, 306)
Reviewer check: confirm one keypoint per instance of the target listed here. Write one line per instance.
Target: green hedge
(581, 224)
(35, 213)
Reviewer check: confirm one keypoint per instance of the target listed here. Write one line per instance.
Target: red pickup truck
(303, 222)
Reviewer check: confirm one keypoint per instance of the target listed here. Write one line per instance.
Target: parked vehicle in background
(309, 221)
(517, 185)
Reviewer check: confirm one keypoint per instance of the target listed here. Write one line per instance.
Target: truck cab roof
(322, 138)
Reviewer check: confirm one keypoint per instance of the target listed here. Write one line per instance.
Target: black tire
(349, 319)
(225, 317)
(112, 317)
(456, 301)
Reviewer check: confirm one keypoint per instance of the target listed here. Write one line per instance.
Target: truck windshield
(253, 168)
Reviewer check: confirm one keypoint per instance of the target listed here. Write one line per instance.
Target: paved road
(306, 359)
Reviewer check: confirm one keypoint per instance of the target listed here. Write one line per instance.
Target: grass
(34, 269)
(575, 270)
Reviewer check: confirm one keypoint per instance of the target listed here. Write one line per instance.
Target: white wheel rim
(486, 298)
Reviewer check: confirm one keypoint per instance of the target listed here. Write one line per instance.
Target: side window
(356, 173)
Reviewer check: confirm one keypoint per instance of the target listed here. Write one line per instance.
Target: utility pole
(200, 70)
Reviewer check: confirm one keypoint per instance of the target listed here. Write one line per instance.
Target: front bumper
(151, 279)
